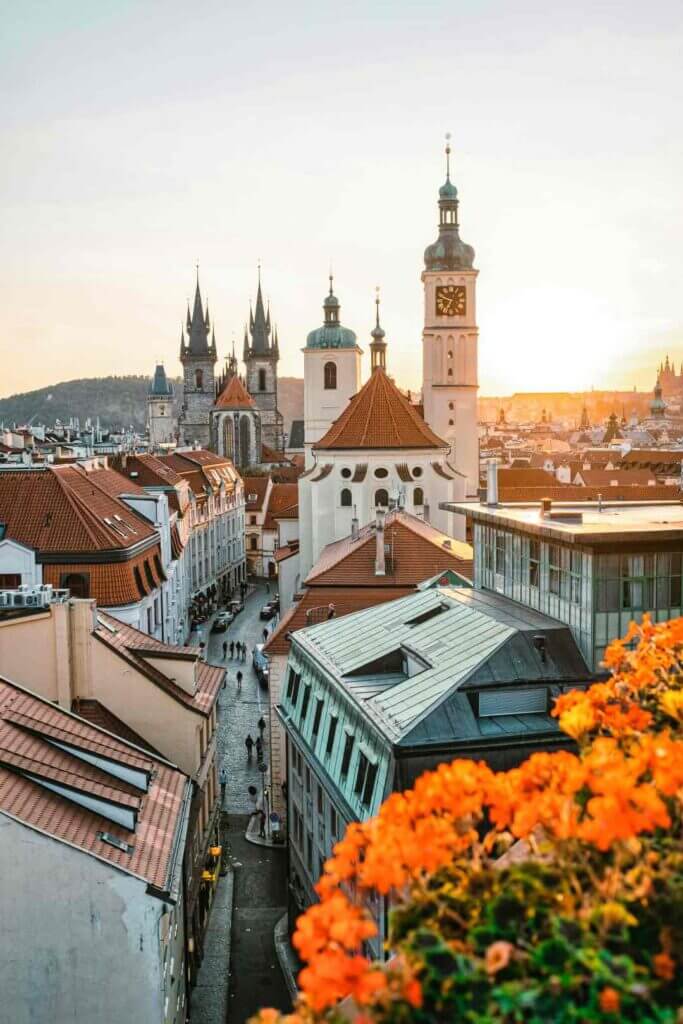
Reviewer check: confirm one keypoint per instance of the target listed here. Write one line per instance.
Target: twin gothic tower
(202, 388)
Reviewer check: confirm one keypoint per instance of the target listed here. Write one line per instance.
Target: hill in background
(120, 402)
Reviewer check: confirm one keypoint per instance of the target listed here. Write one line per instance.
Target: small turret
(378, 345)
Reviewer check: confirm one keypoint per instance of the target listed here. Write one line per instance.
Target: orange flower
(578, 720)
(664, 966)
(610, 1000)
(498, 956)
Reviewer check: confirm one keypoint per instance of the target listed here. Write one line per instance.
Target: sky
(141, 138)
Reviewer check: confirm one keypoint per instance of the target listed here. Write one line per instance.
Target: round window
(381, 473)
(417, 470)
(346, 473)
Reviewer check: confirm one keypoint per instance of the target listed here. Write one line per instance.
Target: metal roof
(467, 638)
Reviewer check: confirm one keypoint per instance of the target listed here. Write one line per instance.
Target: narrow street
(260, 876)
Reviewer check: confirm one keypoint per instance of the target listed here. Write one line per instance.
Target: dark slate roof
(160, 385)
(296, 434)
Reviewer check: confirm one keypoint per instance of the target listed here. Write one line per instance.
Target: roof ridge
(75, 502)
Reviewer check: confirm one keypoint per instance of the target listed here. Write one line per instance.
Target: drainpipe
(492, 483)
(380, 565)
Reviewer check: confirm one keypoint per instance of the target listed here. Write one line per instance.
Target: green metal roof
(445, 638)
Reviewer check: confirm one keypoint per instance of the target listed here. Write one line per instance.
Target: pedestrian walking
(265, 634)
(232, 649)
(225, 649)
(239, 682)
(249, 744)
(244, 651)
(267, 587)
(224, 782)
(259, 748)
(261, 725)
(331, 611)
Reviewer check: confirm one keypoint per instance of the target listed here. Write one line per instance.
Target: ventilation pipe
(354, 525)
(425, 512)
(380, 562)
(492, 483)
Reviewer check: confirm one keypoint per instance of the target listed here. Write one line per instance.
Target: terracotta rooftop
(131, 645)
(201, 469)
(111, 583)
(150, 471)
(145, 819)
(379, 416)
(616, 477)
(235, 396)
(65, 508)
(527, 477)
(419, 551)
(257, 487)
(286, 551)
(570, 492)
(283, 499)
(270, 455)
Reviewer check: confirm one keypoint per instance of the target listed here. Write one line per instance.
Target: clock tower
(449, 338)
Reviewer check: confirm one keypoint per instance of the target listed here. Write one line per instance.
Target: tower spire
(378, 345)
(448, 156)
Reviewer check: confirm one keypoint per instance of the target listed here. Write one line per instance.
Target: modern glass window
(330, 376)
(334, 821)
(365, 779)
(534, 562)
(554, 569)
(331, 733)
(316, 718)
(290, 683)
(319, 794)
(304, 703)
(295, 688)
(346, 756)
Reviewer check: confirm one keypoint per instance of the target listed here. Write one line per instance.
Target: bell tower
(450, 337)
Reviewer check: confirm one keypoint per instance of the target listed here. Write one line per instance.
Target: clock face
(451, 300)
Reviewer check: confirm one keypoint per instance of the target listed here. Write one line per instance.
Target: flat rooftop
(583, 522)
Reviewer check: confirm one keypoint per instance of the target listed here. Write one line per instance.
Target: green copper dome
(448, 190)
(331, 334)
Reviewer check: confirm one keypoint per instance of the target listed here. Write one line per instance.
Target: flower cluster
(551, 892)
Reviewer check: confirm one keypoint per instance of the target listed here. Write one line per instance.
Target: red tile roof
(131, 645)
(257, 486)
(111, 583)
(64, 508)
(527, 477)
(568, 492)
(286, 551)
(419, 551)
(30, 728)
(616, 477)
(150, 471)
(270, 455)
(283, 499)
(235, 396)
(379, 416)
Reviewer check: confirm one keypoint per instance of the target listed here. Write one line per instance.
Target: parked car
(235, 607)
(221, 622)
(261, 667)
(267, 611)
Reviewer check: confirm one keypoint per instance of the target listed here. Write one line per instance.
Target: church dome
(448, 190)
(449, 252)
(331, 334)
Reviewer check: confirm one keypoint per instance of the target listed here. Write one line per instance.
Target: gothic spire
(198, 326)
(260, 326)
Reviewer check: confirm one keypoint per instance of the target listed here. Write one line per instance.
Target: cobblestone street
(260, 873)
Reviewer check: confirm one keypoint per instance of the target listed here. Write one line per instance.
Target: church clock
(450, 300)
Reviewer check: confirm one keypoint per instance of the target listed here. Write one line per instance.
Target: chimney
(425, 512)
(354, 525)
(380, 565)
(492, 483)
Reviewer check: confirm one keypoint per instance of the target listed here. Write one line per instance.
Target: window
(417, 471)
(295, 693)
(79, 583)
(334, 821)
(534, 562)
(199, 379)
(252, 520)
(330, 376)
(331, 733)
(308, 779)
(149, 576)
(381, 498)
(253, 542)
(418, 496)
(10, 580)
(346, 756)
(381, 473)
(575, 577)
(304, 703)
(150, 621)
(346, 472)
(309, 851)
(320, 798)
(345, 499)
(365, 779)
(290, 683)
(500, 554)
(316, 718)
(262, 380)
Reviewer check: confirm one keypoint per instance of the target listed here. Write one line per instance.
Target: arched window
(345, 500)
(78, 583)
(418, 496)
(381, 498)
(162, 410)
(199, 379)
(245, 442)
(229, 440)
(262, 380)
(330, 376)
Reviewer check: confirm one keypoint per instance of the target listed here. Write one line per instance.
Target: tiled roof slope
(379, 416)
(30, 727)
(270, 455)
(64, 508)
(616, 477)
(129, 644)
(235, 396)
(258, 486)
(150, 471)
(112, 584)
(419, 552)
(569, 492)
(527, 477)
(283, 498)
